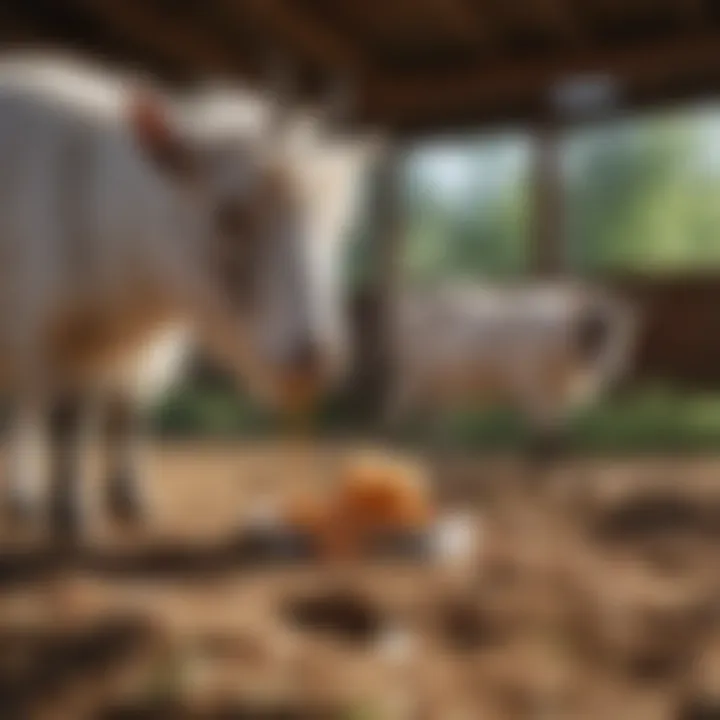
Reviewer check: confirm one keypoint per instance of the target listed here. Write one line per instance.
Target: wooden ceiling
(416, 65)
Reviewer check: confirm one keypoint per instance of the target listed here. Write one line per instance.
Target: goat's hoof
(124, 503)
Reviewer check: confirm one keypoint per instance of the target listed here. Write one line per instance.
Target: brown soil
(595, 594)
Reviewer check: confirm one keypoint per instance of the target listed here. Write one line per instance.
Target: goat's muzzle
(302, 379)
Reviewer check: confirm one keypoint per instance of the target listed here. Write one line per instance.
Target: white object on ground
(396, 646)
(456, 540)
(264, 515)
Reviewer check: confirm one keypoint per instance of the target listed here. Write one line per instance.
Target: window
(644, 194)
(467, 209)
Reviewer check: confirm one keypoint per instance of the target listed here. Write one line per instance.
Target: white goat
(543, 349)
(130, 224)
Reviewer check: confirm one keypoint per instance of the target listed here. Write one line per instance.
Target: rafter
(489, 87)
(693, 11)
(463, 19)
(147, 25)
(492, 86)
(562, 19)
(309, 38)
(16, 31)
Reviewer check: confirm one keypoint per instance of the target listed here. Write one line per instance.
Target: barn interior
(594, 590)
(444, 69)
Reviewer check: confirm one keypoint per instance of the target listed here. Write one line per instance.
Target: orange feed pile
(374, 495)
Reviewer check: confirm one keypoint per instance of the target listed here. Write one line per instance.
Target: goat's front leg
(69, 426)
(124, 445)
(25, 468)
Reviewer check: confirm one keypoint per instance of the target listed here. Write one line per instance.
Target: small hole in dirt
(657, 667)
(656, 516)
(466, 628)
(700, 708)
(345, 614)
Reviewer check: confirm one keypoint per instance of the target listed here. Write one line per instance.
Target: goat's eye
(232, 219)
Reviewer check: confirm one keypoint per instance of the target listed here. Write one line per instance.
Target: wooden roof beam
(694, 12)
(149, 26)
(17, 30)
(309, 38)
(25, 28)
(405, 99)
(464, 20)
(555, 19)
(562, 18)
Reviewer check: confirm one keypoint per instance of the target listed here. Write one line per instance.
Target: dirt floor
(594, 595)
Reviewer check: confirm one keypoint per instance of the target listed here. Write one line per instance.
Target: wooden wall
(680, 331)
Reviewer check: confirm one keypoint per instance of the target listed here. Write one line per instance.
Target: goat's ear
(159, 136)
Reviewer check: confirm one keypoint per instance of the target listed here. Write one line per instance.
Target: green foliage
(648, 419)
(642, 196)
(211, 411)
(467, 215)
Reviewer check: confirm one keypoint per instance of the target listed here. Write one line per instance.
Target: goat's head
(276, 192)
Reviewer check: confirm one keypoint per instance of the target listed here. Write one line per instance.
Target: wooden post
(377, 296)
(547, 224)
(387, 251)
